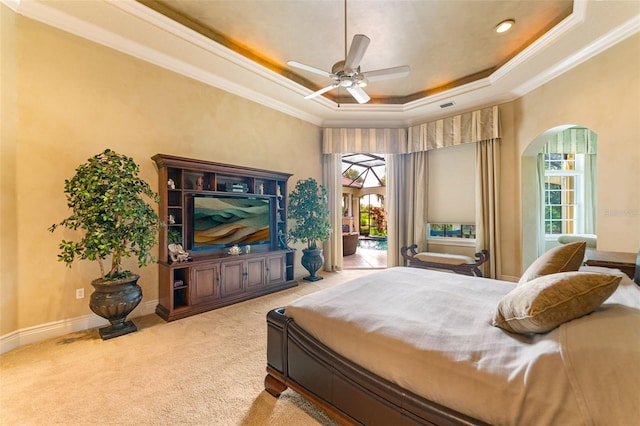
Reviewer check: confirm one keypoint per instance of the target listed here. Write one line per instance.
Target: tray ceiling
(445, 43)
(458, 63)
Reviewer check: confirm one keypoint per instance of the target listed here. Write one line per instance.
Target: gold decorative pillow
(564, 258)
(546, 302)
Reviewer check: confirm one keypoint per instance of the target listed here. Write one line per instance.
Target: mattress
(430, 332)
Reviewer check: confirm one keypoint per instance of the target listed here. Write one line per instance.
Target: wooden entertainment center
(213, 278)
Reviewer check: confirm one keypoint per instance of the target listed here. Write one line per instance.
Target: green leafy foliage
(353, 175)
(309, 206)
(174, 236)
(106, 197)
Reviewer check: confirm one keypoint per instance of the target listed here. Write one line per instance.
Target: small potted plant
(108, 206)
(309, 207)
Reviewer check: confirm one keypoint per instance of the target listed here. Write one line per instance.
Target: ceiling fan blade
(309, 68)
(387, 73)
(358, 94)
(359, 45)
(321, 91)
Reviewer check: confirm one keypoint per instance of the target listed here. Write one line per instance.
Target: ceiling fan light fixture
(346, 81)
(360, 80)
(505, 25)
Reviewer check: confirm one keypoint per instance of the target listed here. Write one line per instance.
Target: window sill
(450, 241)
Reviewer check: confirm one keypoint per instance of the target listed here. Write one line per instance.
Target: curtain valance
(469, 127)
(576, 140)
(374, 141)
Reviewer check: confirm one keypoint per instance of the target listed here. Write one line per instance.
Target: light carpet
(207, 369)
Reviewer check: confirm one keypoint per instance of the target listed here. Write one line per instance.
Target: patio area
(365, 258)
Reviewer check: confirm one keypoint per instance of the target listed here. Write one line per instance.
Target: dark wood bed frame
(346, 391)
(343, 389)
(465, 268)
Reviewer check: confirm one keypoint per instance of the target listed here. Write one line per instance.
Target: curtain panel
(540, 231)
(332, 177)
(488, 204)
(407, 187)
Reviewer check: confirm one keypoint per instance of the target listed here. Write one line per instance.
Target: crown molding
(139, 31)
(622, 32)
(136, 30)
(12, 4)
(572, 21)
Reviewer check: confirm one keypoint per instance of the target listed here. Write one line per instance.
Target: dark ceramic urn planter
(114, 300)
(312, 260)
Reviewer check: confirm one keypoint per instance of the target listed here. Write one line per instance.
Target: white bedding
(430, 333)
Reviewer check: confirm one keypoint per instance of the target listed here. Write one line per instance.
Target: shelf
(212, 278)
(180, 298)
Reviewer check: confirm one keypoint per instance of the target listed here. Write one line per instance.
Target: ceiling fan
(347, 73)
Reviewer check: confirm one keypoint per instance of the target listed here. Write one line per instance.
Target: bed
(415, 346)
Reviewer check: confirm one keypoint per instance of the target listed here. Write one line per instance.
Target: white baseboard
(51, 330)
(509, 278)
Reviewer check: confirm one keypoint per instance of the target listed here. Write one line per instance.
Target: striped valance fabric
(577, 140)
(374, 141)
(469, 127)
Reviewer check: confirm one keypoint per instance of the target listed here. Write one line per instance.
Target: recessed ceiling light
(505, 25)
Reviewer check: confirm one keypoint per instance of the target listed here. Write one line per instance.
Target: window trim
(578, 191)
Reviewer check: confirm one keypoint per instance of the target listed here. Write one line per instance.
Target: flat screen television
(220, 221)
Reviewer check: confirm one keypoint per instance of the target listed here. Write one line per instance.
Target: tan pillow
(546, 302)
(565, 258)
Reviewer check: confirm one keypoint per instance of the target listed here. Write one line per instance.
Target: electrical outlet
(79, 293)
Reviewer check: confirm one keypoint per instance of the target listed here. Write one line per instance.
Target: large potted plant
(309, 207)
(109, 209)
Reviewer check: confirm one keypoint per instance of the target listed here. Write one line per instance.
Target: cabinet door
(276, 269)
(233, 278)
(255, 273)
(205, 284)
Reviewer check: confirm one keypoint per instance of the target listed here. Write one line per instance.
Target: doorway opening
(364, 224)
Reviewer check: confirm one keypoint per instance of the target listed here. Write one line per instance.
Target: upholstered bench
(460, 264)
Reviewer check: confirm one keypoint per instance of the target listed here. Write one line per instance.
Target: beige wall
(76, 98)
(603, 94)
(509, 205)
(8, 199)
(73, 98)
